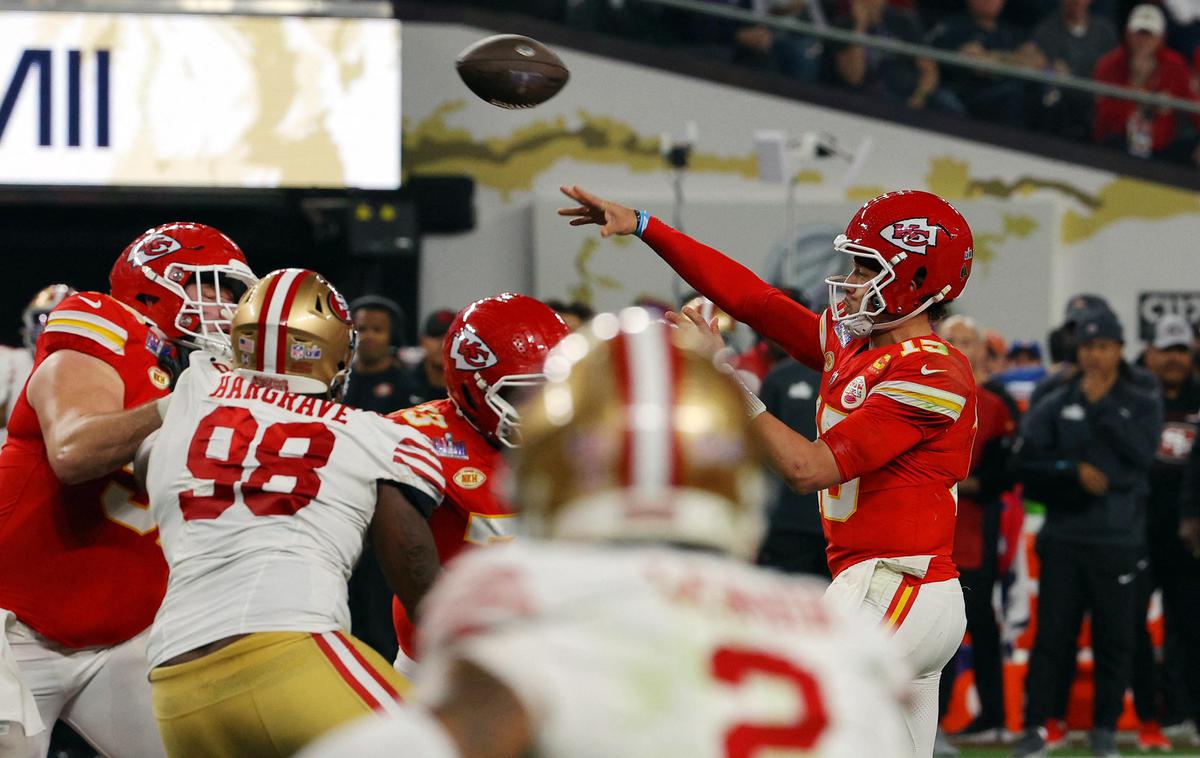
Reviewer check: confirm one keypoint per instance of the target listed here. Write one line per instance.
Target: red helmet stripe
(260, 339)
(272, 337)
(281, 349)
(621, 365)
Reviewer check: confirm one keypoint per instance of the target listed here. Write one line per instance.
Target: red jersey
(473, 511)
(81, 564)
(899, 420)
(1171, 77)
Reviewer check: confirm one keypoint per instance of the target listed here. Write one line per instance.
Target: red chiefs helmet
(493, 347)
(923, 249)
(154, 272)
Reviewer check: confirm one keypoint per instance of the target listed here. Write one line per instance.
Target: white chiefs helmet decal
(154, 246)
(470, 352)
(912, 234)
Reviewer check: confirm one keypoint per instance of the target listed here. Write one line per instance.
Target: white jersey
(632, 652)
(262, 498)
(15, 366)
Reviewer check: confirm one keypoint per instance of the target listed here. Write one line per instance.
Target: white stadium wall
(1044, 229)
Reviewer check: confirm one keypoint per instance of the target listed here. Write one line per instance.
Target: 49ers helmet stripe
(272, 323)
(282, 331)
(649, 381)
(261, 340)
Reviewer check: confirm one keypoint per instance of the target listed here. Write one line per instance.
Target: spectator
(378, 381)
(1069, 42)
(977, 535)
(1169, 359)
(1143, 63)
(1024, 371)
(427, 379)
(791, 54)
(980, 34)
(887, 75)
(1085, 451)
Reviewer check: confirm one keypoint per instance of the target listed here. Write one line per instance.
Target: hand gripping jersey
(900, 420)
(263, 497)
(473, 512)
(80, 564)
(648, 652)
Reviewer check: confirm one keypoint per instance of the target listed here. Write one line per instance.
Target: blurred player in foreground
(634, 627)
(896, 416)
(263, 487)
(493, 350)
(81, 572)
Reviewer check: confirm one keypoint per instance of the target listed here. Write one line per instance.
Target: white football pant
(927, 621)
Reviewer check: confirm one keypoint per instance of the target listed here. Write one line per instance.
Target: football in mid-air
(512, 71)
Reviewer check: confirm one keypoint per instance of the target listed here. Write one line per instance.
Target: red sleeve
(872, 436)
(1111, 112)
(89, 323)
(739, 292)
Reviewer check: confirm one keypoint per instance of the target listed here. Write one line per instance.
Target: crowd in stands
(1149, 47)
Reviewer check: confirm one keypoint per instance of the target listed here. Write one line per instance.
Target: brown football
(512, 71)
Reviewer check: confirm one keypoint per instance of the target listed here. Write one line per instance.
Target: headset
(394, 311)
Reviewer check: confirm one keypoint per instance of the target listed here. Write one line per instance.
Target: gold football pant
(270, 694)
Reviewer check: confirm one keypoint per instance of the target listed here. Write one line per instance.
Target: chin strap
(889, 325)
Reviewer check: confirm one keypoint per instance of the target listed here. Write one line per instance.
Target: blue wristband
(643, 218)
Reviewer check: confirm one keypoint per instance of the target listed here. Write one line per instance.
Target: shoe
(980, 732)
(1056, 733)
(942, 746)
(1183, 733)
(1032, 744)
(1103, 743)
(1151, 737)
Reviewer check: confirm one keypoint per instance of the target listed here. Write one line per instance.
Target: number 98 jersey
(651, 652)
(262, 499)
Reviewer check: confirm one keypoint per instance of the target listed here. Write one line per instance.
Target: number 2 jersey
(473, 512)
(263, 498)
(649, 652)
(899, 419)
(81, 563)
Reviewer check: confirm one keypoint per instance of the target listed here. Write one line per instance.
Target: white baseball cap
(1172, 330)
(1147, 18)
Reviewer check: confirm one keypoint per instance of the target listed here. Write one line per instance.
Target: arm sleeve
(88, 323)
(1134, 438)
(417, 471)
(739, 292)
(873, 435)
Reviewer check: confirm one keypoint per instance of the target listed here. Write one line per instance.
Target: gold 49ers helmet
(637, 436)
(34, 316)
(293, 329)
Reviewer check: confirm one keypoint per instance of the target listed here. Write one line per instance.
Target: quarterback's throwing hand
(612, 218)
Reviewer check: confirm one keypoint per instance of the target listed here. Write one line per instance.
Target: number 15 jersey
(262, 499)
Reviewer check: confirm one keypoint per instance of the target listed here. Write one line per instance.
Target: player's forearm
(84, 448)
(406, 552)
(804, 465)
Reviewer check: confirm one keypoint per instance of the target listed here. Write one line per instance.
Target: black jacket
(1118, 435)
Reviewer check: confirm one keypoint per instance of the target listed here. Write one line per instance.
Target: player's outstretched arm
(404, 546)
(80, 404)
(729, 284)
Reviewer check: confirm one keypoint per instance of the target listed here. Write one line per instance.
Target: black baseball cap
(438, 323)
